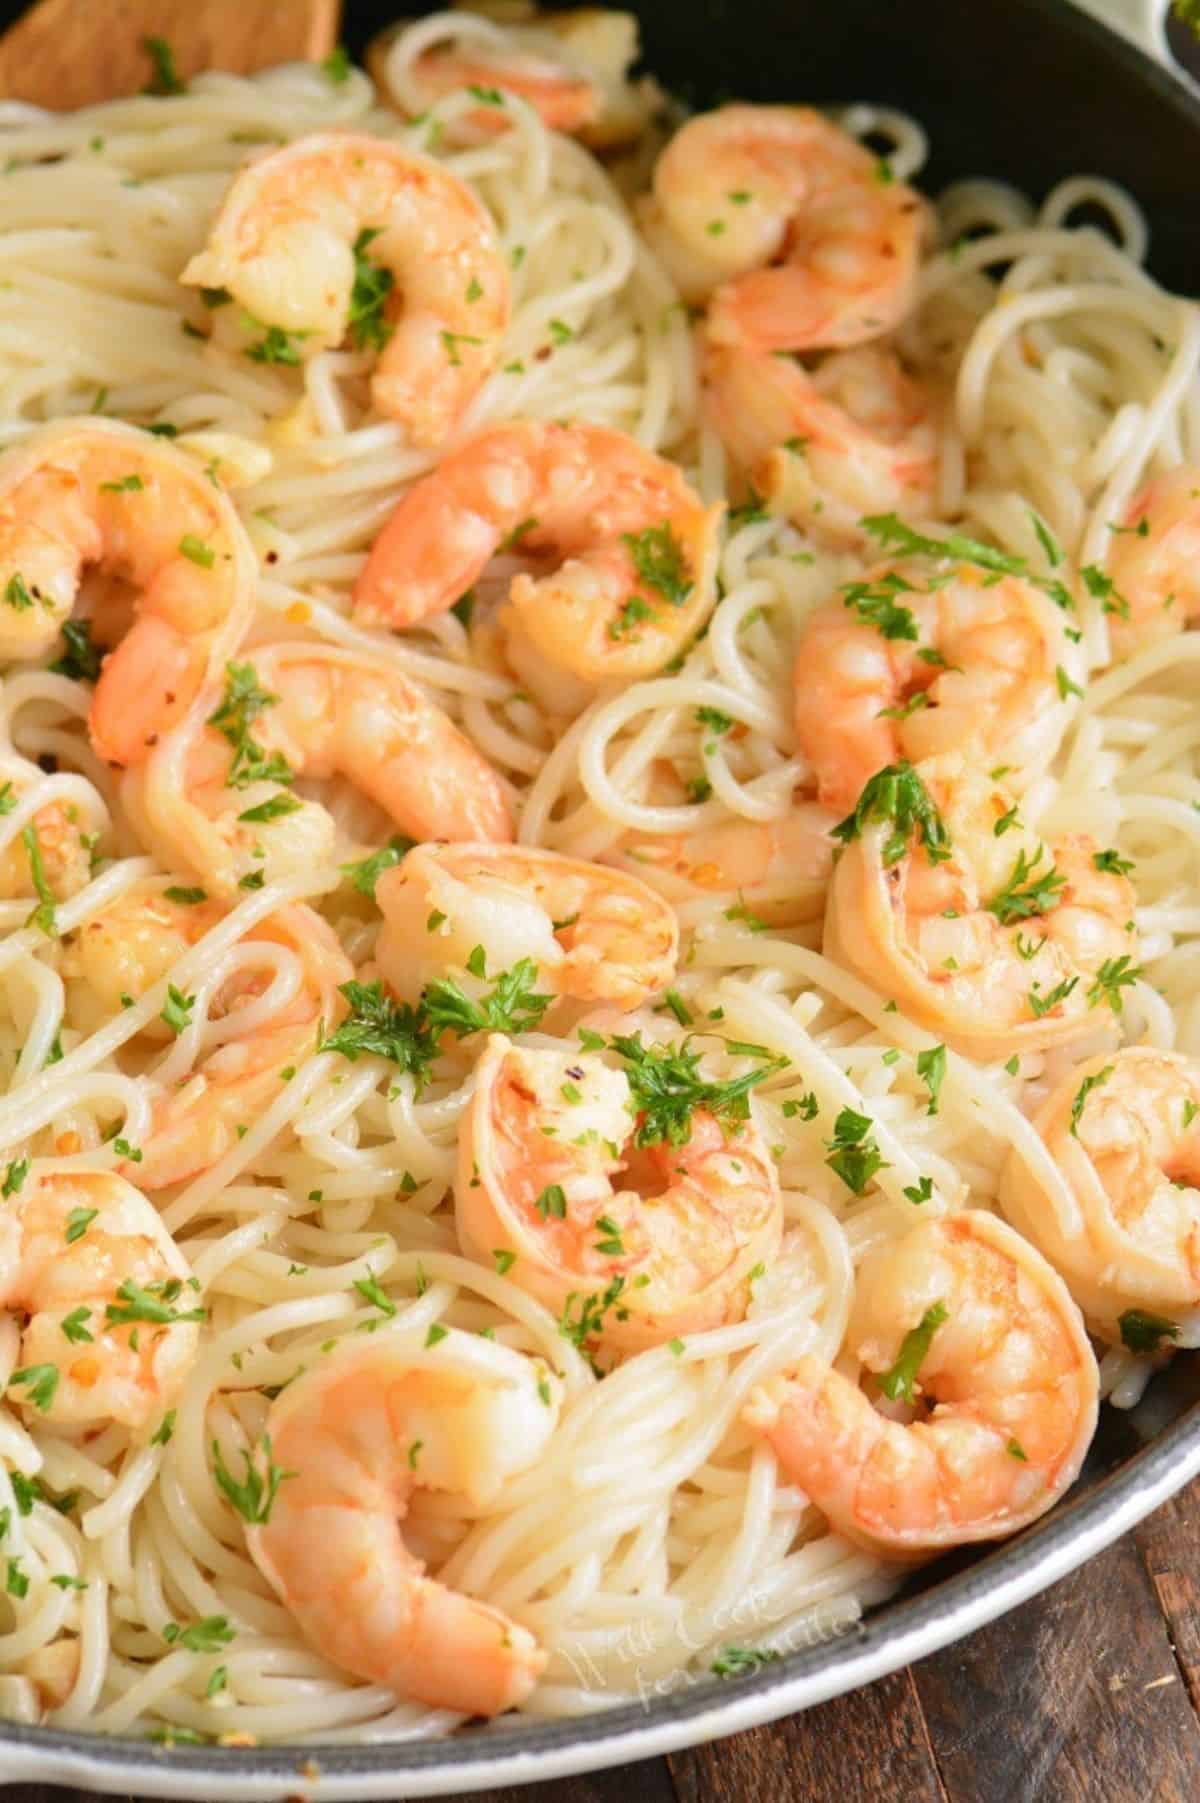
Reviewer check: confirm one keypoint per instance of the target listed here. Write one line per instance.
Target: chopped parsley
(371, 1291)
(165, 77)
(552, 1203)
(336, 66)
(666, 1087)
(254, 1496)
(274, 808)
(241, 704)
(81, 659)
(205, 1636)
(1114, 975)
(898, 1383)
(377, 1026)
(40, 1380)
(1083, 1092)
(43, 916)
(373, 283)
(633, 612)
(931, 1068)
(739, 1661)
(1112, 863)
(514, 1005)
(1027, 892)
(876, 605)
(275, 346)
(1041, 1005)
(78, 1221)
(659, 560)
(16, 593)
(15, 1176)
(451, 342)
(364, 875)
(896, 795)
(853, 1153)
(1144, 1332)
(196, 551)
(592, 1308)
(152, 1302)
(177, 1009)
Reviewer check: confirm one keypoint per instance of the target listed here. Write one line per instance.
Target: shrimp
(374, 1421)
(917, 660)
(1154, 562)
(545, 1134)
(111, 1329)
(317, 711)
(91, 491)
(595, 935)
(291, 241)
(128, 947)
(1004, 1362)
(572, 67)
(805, 238)
(61, 851)
(949, 904)
(779, 868)
(858, 436)
(1123, 1131)
(641, 573)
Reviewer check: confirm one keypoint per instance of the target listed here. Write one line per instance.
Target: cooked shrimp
(857, 436)
(1124, 1130)
(563, 100)
(61, 850)
(945, 901)
(544, 1136)
(987, 1334)
(805, 238)
(90, 491)
(1154, 562)
(324, 712)
(595, 935)
(641, 546)
(112, 1328)
(921, 658)
(376, 1420)
(134, 943)
(289, 243)
(780, 868)
(572, 68)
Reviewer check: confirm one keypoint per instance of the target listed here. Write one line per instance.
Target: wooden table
(1087, 1694)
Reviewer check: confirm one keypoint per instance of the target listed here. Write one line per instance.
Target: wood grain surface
(1087, 1694)
(69, 53)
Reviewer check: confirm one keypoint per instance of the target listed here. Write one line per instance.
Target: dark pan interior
(1026, 91)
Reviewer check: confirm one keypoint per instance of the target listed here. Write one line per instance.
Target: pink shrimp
(966, 1316)
(319, 711)
(856, 437)
(641, 546)
(805, 237)
(97, 492)
(289, 241)
(376, 1420)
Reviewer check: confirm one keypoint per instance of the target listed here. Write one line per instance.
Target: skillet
(1025, 91)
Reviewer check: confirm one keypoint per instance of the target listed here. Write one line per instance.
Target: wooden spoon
(68, 53)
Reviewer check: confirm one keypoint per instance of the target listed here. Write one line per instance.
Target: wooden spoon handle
(68, 53)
